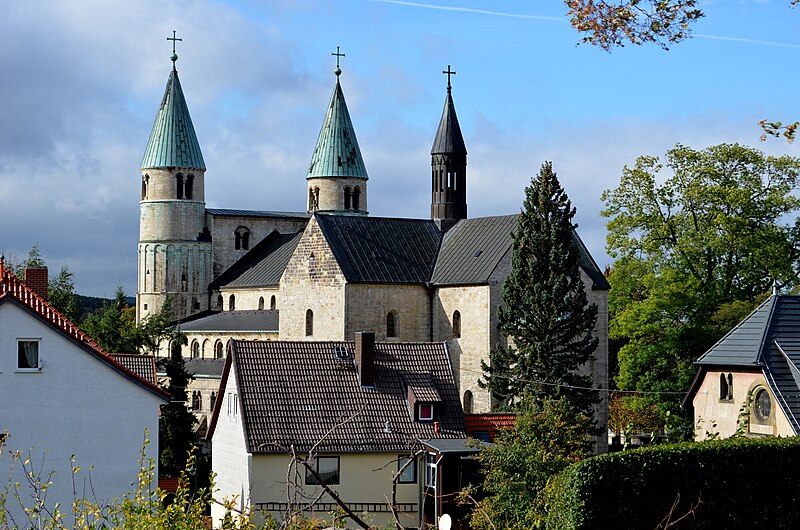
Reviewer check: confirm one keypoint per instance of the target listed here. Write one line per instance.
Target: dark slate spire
(448, 167)
(173, 142)
(337, 153)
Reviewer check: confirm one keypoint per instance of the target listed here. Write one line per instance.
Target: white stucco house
(62, 395)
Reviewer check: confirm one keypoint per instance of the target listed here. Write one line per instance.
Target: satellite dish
(445, 522)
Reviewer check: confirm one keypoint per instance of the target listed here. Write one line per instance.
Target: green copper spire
(173, 142)
(337, 153)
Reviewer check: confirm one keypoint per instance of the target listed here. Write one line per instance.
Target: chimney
(365, 358)
(36, 280)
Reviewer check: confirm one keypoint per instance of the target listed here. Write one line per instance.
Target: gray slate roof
(382, 249)
(263, 264)
(742, 345)
(205, 367)
(250, 320)
(225, 212)
(173, 142)
(297, 393)
(337, 153)
(448, 136)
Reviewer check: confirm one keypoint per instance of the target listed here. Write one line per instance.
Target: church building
(331, 271)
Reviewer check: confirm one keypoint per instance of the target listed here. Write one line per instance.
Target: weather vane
(449, 72)
(337, 54)
(174, 55)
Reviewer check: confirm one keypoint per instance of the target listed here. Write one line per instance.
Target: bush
(733, 483)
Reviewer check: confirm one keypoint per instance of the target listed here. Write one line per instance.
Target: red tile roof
(13, 288)
(490, 423)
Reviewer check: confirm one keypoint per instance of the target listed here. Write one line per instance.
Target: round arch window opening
(763, 405)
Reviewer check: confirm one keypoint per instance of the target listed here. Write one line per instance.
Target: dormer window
(425, 412)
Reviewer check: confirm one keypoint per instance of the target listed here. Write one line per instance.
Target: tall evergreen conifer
(547, 317)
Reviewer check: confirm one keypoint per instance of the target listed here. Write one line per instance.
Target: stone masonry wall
(331, 193)
(367, 307)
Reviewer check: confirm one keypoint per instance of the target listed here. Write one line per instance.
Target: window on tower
(347, 198)
(179, 186)
(356, 198)
(189, 186)
(309, 323)
(241, 238)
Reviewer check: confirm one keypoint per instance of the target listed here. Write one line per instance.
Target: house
(334, 269)
(355, 410)
(750, 380)
(64, 397)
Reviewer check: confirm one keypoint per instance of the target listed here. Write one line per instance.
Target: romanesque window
(179, 186)
(468, 402)
(195, 350)
(189, 186)
(309, 323)
(219, 302)
(145, 184)
(231, 303)
(726, 387)
(260, 303)
(241, 238)
(204, 349)
(197, 400)
(218, 349)
(213, 399)
(272, 302)
(456, 325)
(356, 198)
(347, 198)
(391, 325)
(311, 205)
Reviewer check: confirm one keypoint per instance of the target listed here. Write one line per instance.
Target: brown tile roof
(298, 393)
(489, 422)
(142, 365)
(12, 288)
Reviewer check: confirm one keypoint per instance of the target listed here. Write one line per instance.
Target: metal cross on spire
(337, 54)
(449, 73)
(174, 55)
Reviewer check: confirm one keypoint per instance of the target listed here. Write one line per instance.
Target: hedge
(733, 483)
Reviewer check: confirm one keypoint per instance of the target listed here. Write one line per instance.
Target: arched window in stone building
(189, 186)
(195, 349)
(179, 186)
(468, 402)
(219, 302)
(456, 324)
(347, 198)
(204, 350)
(356, 198)
(311, 206)
(213, 399)
(272, 303)
(723, 386)
(309, 323)
(391, 324)
(197, 400)
(730, 386)
(241, 238)
(218, 349)
(260, 303)
(145, 185)
(231, 303)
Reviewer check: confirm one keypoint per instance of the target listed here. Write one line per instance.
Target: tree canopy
(546, 316)
(698, 240)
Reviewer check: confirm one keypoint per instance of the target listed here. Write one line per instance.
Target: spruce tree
(546, 314)
(176, 424)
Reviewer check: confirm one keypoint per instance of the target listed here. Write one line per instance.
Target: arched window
(241, 238)
(179, 186)
(272, 302)
(195, 349)
(309, 323)
(468, 402)
(456, 325)
(260, 303)
(145, 185)
(311, 205)
(730, 386)
(347, 198)
(723, 386)
(213, 399)
(231, 303)
(197, 400)
(218, 350)
(356, 198)
(219, 302)
(391, 325)
(204, 350)
(189, 186)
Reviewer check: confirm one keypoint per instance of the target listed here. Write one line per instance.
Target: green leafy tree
(114, 327)
(547, 437)
(546, 313)
(694, 255)
(61, 293)
(176, 424)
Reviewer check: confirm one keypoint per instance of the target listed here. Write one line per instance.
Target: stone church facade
(333, 270)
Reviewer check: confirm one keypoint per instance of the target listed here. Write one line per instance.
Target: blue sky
(82, 81)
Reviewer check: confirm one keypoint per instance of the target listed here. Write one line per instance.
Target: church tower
(448, 167)
(337, 177)
(174, 242)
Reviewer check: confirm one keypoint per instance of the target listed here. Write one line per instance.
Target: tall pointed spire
(337, 177)
(448, 166)
(173, 142)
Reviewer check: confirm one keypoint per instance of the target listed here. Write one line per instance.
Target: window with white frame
(430, 470)
(327, 467)
(28, 358)
(233, 404)
(425, 412)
